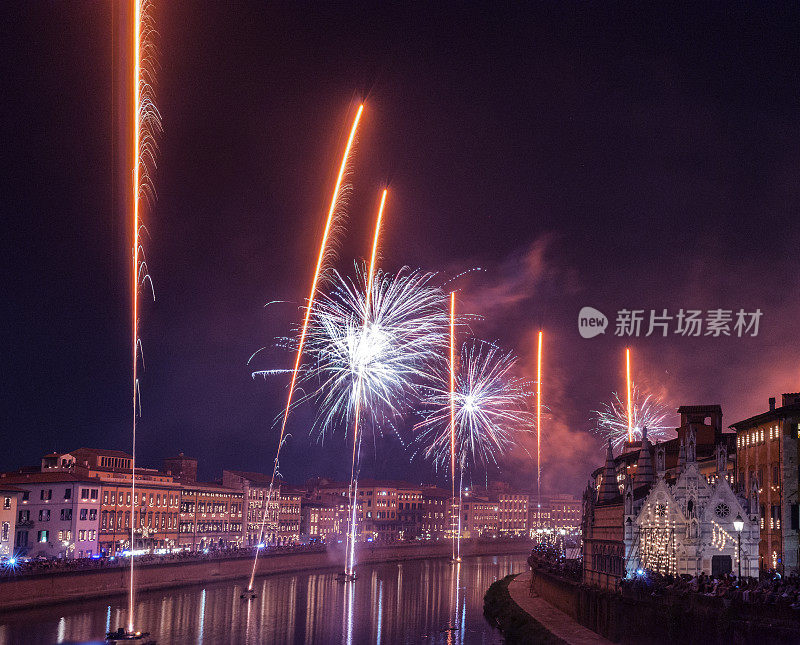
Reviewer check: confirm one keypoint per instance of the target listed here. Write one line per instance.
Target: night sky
(616, 157)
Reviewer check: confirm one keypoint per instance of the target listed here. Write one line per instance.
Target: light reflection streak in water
(202, 616)
(425, 601)
(380, 612)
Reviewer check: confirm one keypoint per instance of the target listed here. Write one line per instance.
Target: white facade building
(57, 515)
(690, 527)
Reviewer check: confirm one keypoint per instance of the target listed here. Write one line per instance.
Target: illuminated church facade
(697, 524)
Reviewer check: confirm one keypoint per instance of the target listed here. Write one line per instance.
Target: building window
(68, 493)
(84, 513)
(26, 495)
(41, 537)
(92, 514)
(4, 533)
(94, 494)
(66, 514)
(7, 502)
(44, 516)
(84, 493)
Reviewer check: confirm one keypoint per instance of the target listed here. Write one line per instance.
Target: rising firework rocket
(317, 272)
(539, 423)
(146, 122)
(628, 385)
(456, 536)
(137, 22)
(349, 562)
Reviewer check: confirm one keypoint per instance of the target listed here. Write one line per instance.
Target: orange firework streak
(453, 415)
(628, 381)
(137, 66)
(304, 329)
(349, 557)
(539, 423)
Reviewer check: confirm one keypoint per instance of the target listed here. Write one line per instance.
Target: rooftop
(699, 409)
(791, 410)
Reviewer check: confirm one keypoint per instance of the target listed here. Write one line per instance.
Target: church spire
(644, 467)
(608, 487)
(681, 457)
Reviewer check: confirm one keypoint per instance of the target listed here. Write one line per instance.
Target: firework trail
(452, 403)
(490, 409)
(539, 422)
(628, 385)
(323, 253)
(146, 126)
(353, 489)
(612, 420)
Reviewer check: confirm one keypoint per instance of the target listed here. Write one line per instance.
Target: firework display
(363, 244)
(392, 355)
(618, 420)
(490, 404)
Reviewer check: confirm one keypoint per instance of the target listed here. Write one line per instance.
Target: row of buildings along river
(708, 501)
(80, 504)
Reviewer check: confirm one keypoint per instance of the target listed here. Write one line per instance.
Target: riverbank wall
(70, 586)
(664, 619)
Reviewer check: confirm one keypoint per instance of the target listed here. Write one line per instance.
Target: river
(416, 601)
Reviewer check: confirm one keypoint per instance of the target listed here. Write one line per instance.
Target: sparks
(490, 409)
(618, 422)
(146, 125)
(323, 252)
(396, 351)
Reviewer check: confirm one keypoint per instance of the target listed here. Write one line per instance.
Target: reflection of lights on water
(108, 619)
(202, 616)
(380, 611)
(62, 630)
(349, 594)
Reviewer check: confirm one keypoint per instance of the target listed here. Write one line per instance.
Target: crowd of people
(18, 566)
(771, 589)
(552, 558)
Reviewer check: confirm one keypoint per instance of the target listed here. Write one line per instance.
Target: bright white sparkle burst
(648, 411)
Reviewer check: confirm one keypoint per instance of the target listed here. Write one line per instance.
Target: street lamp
(738, 524)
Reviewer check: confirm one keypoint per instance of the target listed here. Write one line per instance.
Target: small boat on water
(248, 595)
(123, 636)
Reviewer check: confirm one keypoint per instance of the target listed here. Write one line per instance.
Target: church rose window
(722, 510)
